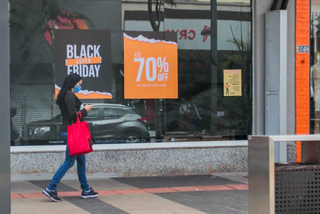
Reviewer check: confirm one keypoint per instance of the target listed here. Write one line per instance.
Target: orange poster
(150, 65)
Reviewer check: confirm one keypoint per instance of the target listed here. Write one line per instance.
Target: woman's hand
(88, 108)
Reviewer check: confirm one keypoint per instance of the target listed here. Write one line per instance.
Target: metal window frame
(136, 146)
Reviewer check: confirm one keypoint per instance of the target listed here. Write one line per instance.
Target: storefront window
(214, 75)
(315, 68)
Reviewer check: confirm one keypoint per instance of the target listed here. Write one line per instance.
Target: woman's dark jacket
(69, 108)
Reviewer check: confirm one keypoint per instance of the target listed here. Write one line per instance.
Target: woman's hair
(69, 82)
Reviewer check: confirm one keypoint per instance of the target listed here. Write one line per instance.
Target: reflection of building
(315, 67)
(192, 24)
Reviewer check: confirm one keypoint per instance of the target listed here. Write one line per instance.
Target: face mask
(77, 88)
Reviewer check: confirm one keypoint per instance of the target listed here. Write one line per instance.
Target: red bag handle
(79, 117)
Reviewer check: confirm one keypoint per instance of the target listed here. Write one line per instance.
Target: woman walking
(69, 105)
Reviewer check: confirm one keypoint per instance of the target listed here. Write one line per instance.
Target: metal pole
(261, 175)
(5, 184)
(214, 66)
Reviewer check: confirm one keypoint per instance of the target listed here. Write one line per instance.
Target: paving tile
(231, 187)
(216, 188)
(98, 184)
(43, 205)
(185, 194)
(16, 196)
(94, 205)
(212, 202)
(165, 211)
(33, 195)
(107, 192)
(60, 188)
(188, 189)
(146, 203)
(68, 194)
(108, 184)
(238, 186)
(241, 177)
(175, 181)
(24, 187)
(74, 184)
(160, 190)
(130, 191)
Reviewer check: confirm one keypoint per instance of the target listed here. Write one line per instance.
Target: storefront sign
(88, 54)
(232, 83)
(150, 65)
(303, 48)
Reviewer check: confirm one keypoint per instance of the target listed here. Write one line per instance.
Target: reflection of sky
(224, 33)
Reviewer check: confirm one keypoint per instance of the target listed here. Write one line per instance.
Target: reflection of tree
(155, 20)
(47, 16)
(241, 107)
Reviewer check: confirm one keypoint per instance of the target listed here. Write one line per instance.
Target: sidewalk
(216, 193)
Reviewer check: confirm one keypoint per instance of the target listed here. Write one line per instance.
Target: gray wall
(5, 189)
(143, 162)
(259, 10)
(140, 162)
(291, 57)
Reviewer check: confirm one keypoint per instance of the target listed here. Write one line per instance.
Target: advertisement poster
(150, 65)
(88, 54)
(232, 83)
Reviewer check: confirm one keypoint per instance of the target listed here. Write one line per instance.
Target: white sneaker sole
(89, 196)
(46, 194)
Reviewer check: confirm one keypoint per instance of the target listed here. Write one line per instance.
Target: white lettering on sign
(303, 49)
(153, 70)
(85, 52)
(83, 64)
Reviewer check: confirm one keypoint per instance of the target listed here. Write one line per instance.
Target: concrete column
(258, 22)
(5, 184)
(291, 60)
(259, 10)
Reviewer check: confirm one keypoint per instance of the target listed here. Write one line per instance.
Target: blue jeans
(68, 163)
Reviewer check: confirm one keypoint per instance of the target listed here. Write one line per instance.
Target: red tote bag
(79, 137)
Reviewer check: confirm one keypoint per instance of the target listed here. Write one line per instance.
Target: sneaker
(89, 194)
(52, 194)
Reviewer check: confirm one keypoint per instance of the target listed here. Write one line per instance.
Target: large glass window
(214, 70)
(315, 67)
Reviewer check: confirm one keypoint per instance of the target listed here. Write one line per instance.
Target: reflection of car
(111, 121)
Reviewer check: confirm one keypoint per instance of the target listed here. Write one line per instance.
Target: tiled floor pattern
(179, 194)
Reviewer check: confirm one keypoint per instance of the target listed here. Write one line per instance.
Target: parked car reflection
(109, 123)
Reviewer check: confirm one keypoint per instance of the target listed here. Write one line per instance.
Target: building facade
(217, 100)
(219, 66)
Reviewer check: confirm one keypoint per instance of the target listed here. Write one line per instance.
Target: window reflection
(201, 112)
(315, 68)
